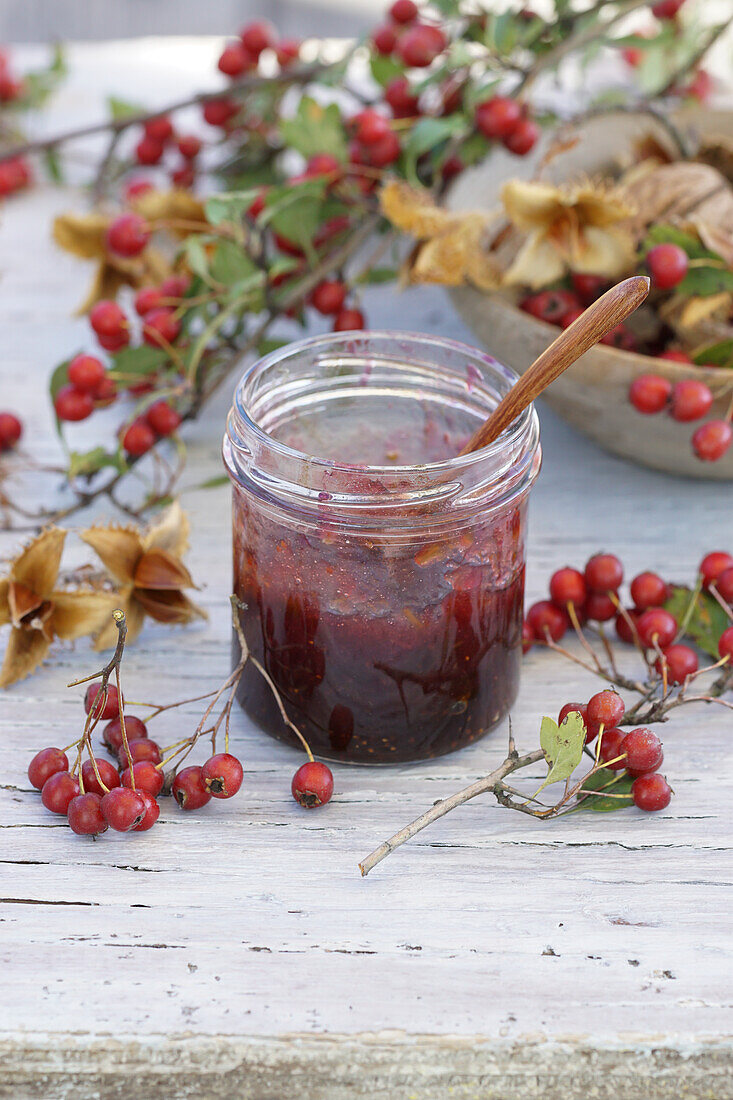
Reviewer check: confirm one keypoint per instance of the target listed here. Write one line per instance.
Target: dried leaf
(76, 614)
(170, 532)
(120, 549)
(22, 602)
(82, 234)
(176, 205)
(134, 615)
(25, 651)
(167, 606)
(37, 566)
(161, 570)
(413, 209)
(4, 601)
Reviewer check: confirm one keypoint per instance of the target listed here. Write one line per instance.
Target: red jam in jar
(382, 576)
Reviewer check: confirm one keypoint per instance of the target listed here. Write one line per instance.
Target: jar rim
(331, 341)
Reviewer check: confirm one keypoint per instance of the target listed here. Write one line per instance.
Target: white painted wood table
(236, 952)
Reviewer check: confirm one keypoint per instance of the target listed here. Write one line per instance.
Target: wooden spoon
(604, 314)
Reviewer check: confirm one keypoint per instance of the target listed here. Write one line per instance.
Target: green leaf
(193, 248)
(385, 69)
(53, 165)
(562, 746)
(121, 108)
(230, 207)
(717, 355)
(670, 234)
(474, 148)
(704, 281)
(84, 464)
(705, 619)
(616, 783)
(139, 361)
(268, 344)
(59, 378)
(316, 129)
(378, 275)
(231, 264)
(428, 134)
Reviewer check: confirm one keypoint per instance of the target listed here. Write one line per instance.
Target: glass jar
(382, 577)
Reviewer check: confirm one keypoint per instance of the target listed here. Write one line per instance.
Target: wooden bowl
(592, 395)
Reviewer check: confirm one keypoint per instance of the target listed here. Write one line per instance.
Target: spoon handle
(604, 314)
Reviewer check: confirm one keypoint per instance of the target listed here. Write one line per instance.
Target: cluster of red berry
(593, 595)
(700, 86)
(124, 797)
(159, 136)
(686, 400)
(639, 751)
(15, 174)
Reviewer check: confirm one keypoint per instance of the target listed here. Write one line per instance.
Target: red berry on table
(287, 51)
(58, 791)
(160, 327)
(218, 112)
(71, 404)
(403, 11)
(135, 729)
(143, 748)
(159, 128)
(384, 39)
(329, 296)
(420, 45)
(86, 373)
(257, 36)
(573, 708)
(675, 355)
(107, 773)
(115, 343)
(348, 319)
(544, 619)
(175, 286)
(588, 287)
(600, 608)
(648, 590)
(147, 299)
(107, 319)
(691, 400)
(604, 573)
(643, 750)
(110, 706)
(725, 644)
(568, 586)
(189, 146)
(138, 437)
(711, 440)
(666, 9)
(651, 792)
(527, 637)
(401, 97)
(85, 815)
(128, 235)
(222, 775)
(604, 708)
(667, 264)
(370, 126)
(148, 778)
(550, 305)
(497, 117)
(189, 789)
(724, 585)
(151, 815)
(656, 628)
(680, 660)
(11, 430)
(626, 624)
(712, 565)
(123, 809)
(235, 60)
(611, 750)
(650, 393)
(149, 151)
(45, 764)
(312, 784)
(523, 137)
(163, 418)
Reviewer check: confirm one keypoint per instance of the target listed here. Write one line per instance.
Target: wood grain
(492, 957)
(611, 309)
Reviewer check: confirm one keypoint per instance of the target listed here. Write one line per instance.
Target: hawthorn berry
(724, 585)
(666, 9)
(235, 60)
(189, 146)
(151, 815)
(656, 628)
(691, 400)
(58, 791)
(107, 773)
(370, 126)
(175, 286)
(312, 784)
(134, 188)
(523, 137)
(73, 404)
(385, 151)
(643, 750)
(45, 764)
(573, 708)
(648, 590)
(399, 94)
(184, 175)
(675, 355)
(222, 775)
(667, 264)
(111, 704)
(106, 391)
(650, 393)
(620, 337)
(527, 637)
(107, 319)
(329, 296)
(160, 327)
(11, 430)
(85, 815)
(189, 789)
(681, 661)
(149, 151)
(711, 440)
(700, 87)
(712, 565)
(135, 729)
(148, 778)
(725, 643)
(287, 51)
(420, 45)
(128, 235)
(403, 11)
(348, 319)
(600, 608)
(611, 749)
(588, 287)
(257, 36)
(384, 39)
(115, 343)
(605, 708)
(624, 626)
(604, 573)
(452, 166)
(550, 305)
(218, 112)
(143, 748)
(86, 373)
(138, 438)
(497, 117)
(159, 128)
(545, 619)
(163, 418)
(651, 792)
(123, 809)
(147, 299)
(568, 586)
